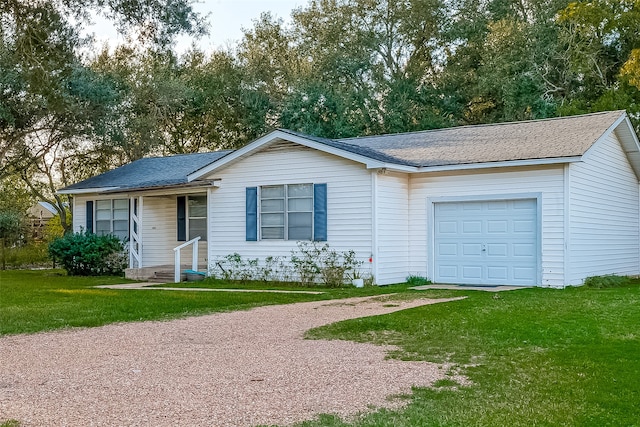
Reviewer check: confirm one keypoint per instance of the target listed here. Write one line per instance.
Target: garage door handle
(484, 248)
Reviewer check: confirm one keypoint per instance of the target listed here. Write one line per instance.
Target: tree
(10, 227)
(40, 52)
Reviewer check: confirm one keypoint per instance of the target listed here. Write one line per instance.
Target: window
(197, 219)
(286, 212)
(112, 217)
(192, 217)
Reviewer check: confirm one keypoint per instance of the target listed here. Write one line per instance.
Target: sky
(226, 19)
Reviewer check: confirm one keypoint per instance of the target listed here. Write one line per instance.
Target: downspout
(567, 225)
(373, 260)
(207, 255)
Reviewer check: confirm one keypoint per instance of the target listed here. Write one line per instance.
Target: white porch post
(135, 232)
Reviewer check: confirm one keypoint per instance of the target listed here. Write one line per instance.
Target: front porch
(159, 228)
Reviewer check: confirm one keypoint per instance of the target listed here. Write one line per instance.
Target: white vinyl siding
(348, 201)
(471, 185)
(604, 213)
(79, 213)
(392, 217)
(159, 231)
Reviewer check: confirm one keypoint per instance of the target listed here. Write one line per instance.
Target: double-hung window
(112, 217)
(286, 212)
(192, 217)
(197, 209)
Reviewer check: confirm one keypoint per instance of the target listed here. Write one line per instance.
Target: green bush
(608, 281)
(413, 280)
(87, 254)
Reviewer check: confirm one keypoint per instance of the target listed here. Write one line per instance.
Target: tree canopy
(337, 68)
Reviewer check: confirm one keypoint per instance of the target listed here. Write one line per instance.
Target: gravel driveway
(229, 369)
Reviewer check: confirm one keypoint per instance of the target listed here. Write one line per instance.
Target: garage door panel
(471, 249)
(472, 227)
(497, 250)
(498, 206)
(526, 226)
(486, 242)
(524, 250)
(448, 271)
(497, 273)
(497, 227)
(448, 249)
(472, 272)
(523, 273)
(448, 227)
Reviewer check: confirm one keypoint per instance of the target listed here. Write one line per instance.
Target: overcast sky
(226, 18)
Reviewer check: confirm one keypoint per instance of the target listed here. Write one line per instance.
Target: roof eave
(506, 163)
(86, 190)
(629, 141)
(123, 190)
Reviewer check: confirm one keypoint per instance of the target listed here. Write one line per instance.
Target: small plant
(313, 263)
(87, 254)
(369, 279)
(414, 280)
(305, 262)
(608, 281)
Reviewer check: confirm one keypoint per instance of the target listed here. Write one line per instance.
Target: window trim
(286, 212)
(183, 216)
(111, 219)
(188, 217)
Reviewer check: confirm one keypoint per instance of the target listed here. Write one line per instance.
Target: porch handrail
(194, 264)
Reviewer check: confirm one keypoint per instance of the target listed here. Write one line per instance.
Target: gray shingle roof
(346, 145)
(151, 172)
(537, 139)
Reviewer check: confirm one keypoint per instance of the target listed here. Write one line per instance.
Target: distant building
(39, 216)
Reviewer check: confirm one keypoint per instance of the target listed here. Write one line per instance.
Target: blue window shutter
(182, 218)
(320, 212)
(89, 217)
(252, 214)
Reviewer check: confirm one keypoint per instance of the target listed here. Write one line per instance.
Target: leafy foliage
(609, 281)
(310, 265)
(88, 254)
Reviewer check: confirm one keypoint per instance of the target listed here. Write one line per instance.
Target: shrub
(413, 280)
(87, 254)
(608, 281)
(311, 264)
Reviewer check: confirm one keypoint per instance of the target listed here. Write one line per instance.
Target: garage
(486, 242)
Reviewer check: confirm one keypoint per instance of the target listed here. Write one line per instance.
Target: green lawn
(33, 301)
(535, 357)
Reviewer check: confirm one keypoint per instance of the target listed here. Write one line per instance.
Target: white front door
(490, 242)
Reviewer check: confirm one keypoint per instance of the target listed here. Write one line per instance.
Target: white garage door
(486, 242)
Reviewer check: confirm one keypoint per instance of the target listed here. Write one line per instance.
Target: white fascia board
(503, 164)
(628, 139)
(256, 145)
(630, 144)
(606, 133)
(87, 190)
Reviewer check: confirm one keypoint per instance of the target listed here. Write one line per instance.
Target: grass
(538, 357)
(535, 357)
(43, 300)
